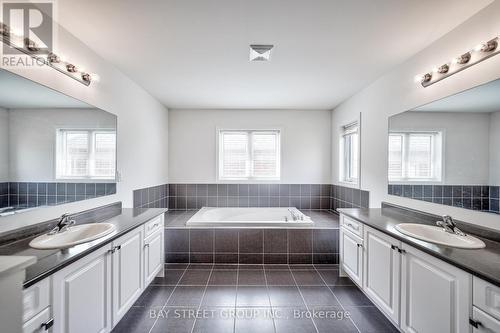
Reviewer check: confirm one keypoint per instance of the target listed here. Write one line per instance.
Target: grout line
(303, 298)
(269, 298)
(203, 297)
(164, 305)
(352, 321)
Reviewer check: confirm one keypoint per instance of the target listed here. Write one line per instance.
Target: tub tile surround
(475, 197)
(31, 194)
(302, 196)
(252, 245)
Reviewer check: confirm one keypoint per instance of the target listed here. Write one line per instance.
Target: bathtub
(248, 217)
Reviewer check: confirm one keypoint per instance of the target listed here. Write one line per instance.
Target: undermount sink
(74, 235)
(437, 235)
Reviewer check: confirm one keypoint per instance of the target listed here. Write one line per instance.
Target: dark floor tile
(223, 278)
(279, 278)
(251, 278)
(225, 267)
(181, 324)
(200, 266)
(318, 296)
(223, 296)
(252, 297)
(370, 320)
(172, 276)
(195, 277)
(137, 319)
(186, 296)
(290, 320)
(332, 278)
(251, 320)
(333, 319)
(350, 296)
(154, 296)
(285, 297)
(176, 266)
(220, 322)
(308, 278)
(250, 267)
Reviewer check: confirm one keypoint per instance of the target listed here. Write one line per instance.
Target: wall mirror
(448, 152)
(54, 149)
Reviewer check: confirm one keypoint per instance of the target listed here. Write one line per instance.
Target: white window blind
(249, 155)
(86, 154)
(415, 156)
(350, 153)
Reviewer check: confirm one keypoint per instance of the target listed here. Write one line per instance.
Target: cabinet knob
(360, 245)
(48, 324)
(146, 245)
(394, 247)
(111, 251)
(401, 251)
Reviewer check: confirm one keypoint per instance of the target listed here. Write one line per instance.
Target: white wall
(495, 148)
(396, 92)
(32, 138)
(4, 145)
(142, 126)
(466, 142)
(305, 142)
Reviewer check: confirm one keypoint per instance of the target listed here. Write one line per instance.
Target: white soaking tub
(249, 217)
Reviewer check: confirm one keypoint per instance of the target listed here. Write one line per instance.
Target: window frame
(437, 169)
(91, 132)
(250, 177)
(344, 162)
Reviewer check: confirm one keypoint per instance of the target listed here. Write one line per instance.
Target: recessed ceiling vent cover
(260, 52)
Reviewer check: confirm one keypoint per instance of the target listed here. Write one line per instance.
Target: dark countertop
(323, 219)
(483, 263)
(50, 261)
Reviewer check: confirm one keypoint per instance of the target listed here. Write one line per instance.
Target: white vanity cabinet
(435, 296)
(486, 309)
(153, 250)
(37, 313)
(127, 262)
(351, 250)
(82, 294)
(92, 294)
(382, 268)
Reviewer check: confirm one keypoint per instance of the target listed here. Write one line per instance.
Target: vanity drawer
(39, 323)
(153, 225)
(35, 299)
(352, 225)
(486, 296)
(485, 323)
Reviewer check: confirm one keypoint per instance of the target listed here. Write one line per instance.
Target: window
(86, 154)
(415, 156)
(349, 153)
(249, 155)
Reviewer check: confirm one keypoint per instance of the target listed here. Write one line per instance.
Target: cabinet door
(82, 295)
(351, 252)
(34, 325)
(153, 256)
(382, 271)
(127, 272)
(435, 296)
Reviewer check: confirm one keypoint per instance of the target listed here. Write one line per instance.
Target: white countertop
(11, 264)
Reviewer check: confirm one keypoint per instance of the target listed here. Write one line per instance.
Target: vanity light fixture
(30, 48)
(479, 53)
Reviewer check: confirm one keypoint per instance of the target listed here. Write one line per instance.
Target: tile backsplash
(476, 197)
(31, 194)
(302, 196)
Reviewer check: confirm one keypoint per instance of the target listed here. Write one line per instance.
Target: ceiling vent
(260, 52)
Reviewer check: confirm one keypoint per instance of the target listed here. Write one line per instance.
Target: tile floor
(253, 298)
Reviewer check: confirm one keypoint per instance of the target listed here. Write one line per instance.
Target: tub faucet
(450, 226)
(64, 223)
(295, 217)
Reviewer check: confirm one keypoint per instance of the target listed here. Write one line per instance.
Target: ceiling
(40, 97)
(483, 98)
(195, 53)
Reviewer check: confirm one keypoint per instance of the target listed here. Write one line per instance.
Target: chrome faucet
(64, 223)
(295, 217)
(450, 226)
